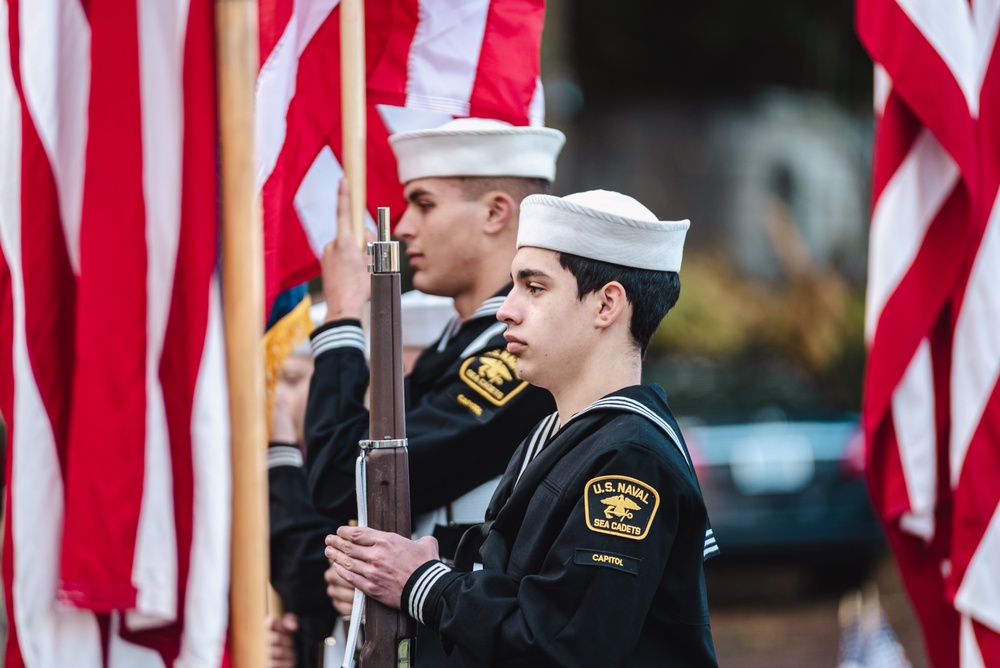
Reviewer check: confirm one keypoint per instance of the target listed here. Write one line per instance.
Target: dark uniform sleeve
(336, 417)
(297, 537)
(586, 604)
(461, 433)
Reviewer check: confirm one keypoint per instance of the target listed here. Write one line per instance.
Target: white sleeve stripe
(284, 455)
(419, 595)
(710, 545)
(347, 336)
(422, 587)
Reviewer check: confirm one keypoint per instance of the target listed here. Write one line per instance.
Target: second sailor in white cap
(467, 408)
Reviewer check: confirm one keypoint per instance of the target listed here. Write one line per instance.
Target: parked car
(787, 489)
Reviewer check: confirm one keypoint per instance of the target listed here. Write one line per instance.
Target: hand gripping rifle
(388, 633)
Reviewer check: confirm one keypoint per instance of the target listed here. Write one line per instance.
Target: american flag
(931, 407)
(428, 61)
(116, 544)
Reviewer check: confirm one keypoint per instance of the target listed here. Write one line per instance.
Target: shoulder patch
(493, 375)
(620, 506)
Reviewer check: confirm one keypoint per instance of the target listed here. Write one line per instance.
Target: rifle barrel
(388, 632)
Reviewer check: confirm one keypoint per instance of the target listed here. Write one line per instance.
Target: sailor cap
(602, 225)
(477, 147)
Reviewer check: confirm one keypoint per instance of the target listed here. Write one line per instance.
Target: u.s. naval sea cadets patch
(493, 374)
(620, 506)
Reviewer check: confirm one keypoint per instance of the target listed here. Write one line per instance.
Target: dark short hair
(517, 187)
(651, 293)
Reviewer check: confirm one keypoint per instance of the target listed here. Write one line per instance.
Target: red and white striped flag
(116, 546)
(932, 407)
(428, 61)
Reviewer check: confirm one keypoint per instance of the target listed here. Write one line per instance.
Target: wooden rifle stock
(388, 633)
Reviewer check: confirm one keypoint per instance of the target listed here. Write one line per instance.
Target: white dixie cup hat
(602, 225)
(477, 147)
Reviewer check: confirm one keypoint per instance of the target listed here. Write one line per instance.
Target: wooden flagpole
(353, 81)
(243, 311)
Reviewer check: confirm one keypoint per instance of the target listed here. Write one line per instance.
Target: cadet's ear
(612, 303)
(501, 211)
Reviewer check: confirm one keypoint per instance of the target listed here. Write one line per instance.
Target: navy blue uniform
(297, 558)
(591, 556)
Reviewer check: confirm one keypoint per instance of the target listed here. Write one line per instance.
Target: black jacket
(593, 558)
(297, 533)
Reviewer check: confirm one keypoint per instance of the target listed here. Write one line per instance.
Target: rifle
(388, 633)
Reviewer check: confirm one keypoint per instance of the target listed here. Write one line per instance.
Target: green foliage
(798, 344)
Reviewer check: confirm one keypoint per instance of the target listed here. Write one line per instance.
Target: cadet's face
(292, 389)
(547, 325)
(439, 228)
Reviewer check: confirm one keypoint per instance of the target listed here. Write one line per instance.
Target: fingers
(290, 621)
(340, 591)
(281, 643)
(350, 561)
(364, 536)
(351, 568)
(282, 656)
(346, 284)
(338, 584)
(343, 609)
(355, 574)
(344, 229)
(285, 625)
(346, 234)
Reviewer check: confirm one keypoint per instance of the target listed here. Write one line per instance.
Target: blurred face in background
(292, 390)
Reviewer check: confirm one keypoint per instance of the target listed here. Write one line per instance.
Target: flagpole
(353, 76)
(243, 311)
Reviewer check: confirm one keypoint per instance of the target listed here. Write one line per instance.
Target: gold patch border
(586, 505)
(507, 397)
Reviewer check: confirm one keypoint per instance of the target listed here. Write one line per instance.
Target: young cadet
(593, 546)
(466, 408)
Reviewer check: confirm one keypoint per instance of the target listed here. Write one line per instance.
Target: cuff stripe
(347, 336)
(422, 587)
(284, 455)
(711, 547)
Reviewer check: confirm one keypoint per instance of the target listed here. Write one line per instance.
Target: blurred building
(719, 113)
(753, 120)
